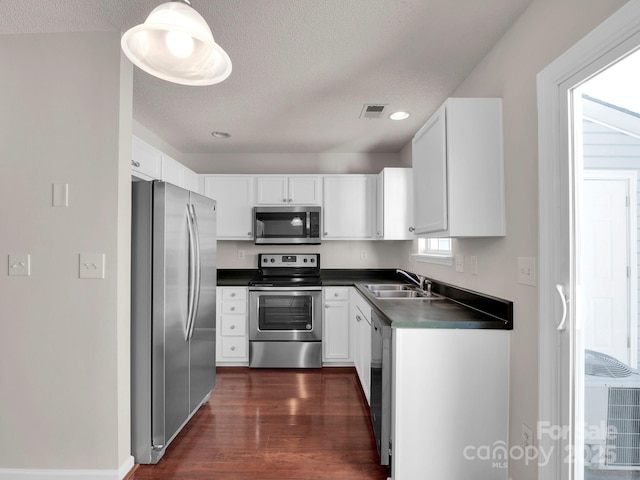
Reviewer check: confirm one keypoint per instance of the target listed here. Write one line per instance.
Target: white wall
(64, 342)
(544, 31)
(333, 254)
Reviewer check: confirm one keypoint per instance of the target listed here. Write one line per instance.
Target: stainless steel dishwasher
(381, 385)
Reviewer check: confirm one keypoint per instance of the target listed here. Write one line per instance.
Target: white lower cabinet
(361, 328)
(232, 339)
(450, 403)
(336, 331)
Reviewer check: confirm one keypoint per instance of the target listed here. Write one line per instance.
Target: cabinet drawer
(234, 347)
(233, 325)
(336, 294)
(234, 306)
(234, 293)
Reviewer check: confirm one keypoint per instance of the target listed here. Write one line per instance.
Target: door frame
(612, 39)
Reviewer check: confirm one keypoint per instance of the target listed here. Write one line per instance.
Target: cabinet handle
(336, 294)
(411, 229)
(284, 200)
(358, 318)
(233, 348)
(326, 233)
(326, 305)
(233, 294)
(232, 308)
(290, 200)
(250, 234)
(134, 163)
(379, 234)
(232, 327)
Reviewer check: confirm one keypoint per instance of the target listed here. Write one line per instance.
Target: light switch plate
(92, 265)
(60, 194)
(19, 264)
(459, 263)
(527, 271)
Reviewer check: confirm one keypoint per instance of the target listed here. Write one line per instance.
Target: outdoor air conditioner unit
(612, 414)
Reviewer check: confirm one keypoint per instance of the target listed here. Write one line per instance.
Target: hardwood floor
(275, 425)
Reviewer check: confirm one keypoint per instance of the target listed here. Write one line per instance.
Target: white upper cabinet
(458, 171)
(349, 207)
(149, 163)
(394, 215)
(172, 171)
(288, 190)
(234, 194)
(191, 180)
(146, 161)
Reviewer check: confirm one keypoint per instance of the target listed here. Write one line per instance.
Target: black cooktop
(288, 270)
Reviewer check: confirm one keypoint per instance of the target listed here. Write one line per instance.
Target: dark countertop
(462, 309)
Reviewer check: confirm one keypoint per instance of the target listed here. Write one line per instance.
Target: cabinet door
(335, 333)
(305, 190)
(348, 206)
(234, 194)
(430, 175)
(191, 180)
(271, 190)
(172, 171)
(146, 161)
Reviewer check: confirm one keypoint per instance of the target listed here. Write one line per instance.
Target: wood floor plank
(278, 424)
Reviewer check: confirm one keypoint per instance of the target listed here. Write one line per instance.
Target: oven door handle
(284, 289)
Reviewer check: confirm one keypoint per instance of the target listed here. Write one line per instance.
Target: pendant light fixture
(175, 44)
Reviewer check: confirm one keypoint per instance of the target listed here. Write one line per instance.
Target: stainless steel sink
(382, 294)
(389, 286)
(400, 291)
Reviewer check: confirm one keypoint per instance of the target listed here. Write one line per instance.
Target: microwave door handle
(198, 272)
(308, 224)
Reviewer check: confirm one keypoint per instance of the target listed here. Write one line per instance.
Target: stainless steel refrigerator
(173, 312)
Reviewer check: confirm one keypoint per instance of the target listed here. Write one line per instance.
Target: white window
(435, 250)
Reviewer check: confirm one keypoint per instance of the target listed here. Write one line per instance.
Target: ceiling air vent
(372, 111)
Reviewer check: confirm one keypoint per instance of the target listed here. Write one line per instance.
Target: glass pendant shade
(175, 44)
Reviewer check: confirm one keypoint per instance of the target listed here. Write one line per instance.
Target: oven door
(285, 314)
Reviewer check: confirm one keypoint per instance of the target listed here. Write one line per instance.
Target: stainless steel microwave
(286, 225)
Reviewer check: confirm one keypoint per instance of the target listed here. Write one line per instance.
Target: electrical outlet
(473, 260)
(19, 264)
(527, 271)
(363, 254)
(241, 254)
(527, 436)
(459, 263)
(91, 265)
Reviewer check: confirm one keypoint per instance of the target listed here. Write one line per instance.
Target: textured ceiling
(302, 69)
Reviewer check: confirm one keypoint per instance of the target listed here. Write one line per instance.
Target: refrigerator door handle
(198, 272)
(192, 273)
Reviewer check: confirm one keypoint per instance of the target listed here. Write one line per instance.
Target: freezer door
(203, 338)
(170, 348)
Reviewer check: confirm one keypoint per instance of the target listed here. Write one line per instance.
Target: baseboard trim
(55, 474)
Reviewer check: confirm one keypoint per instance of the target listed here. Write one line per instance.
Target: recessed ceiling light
(220, 134)
(399, 115)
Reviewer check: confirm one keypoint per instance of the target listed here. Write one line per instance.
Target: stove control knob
(305, 260)
(273, 260)
(313, 260)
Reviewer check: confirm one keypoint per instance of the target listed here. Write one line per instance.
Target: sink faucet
(419, 280)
